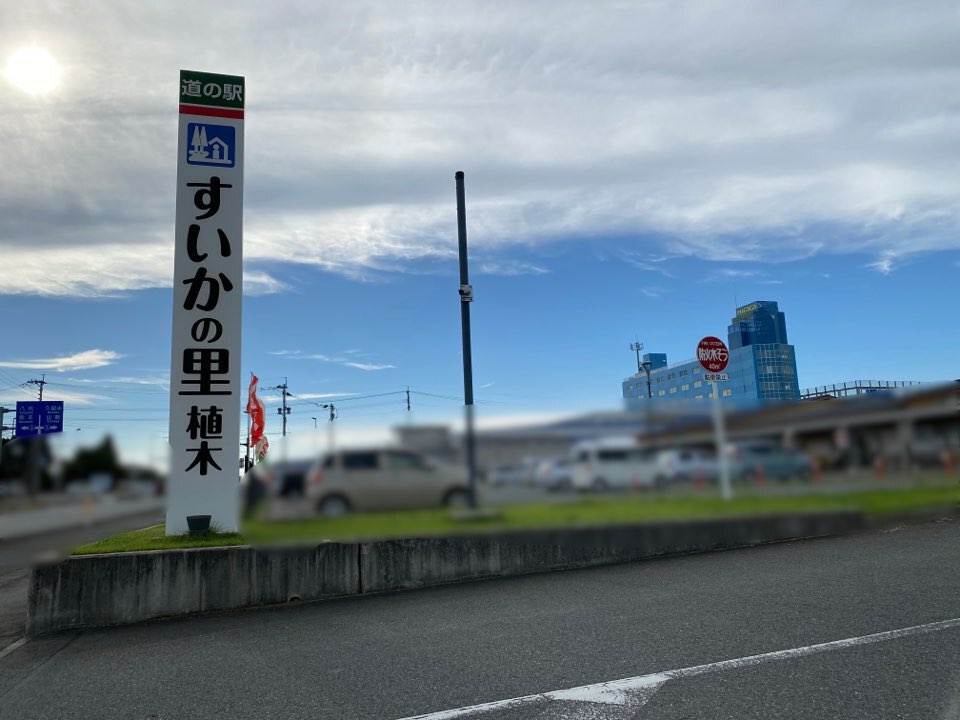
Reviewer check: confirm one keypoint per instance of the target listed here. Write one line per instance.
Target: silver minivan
(383, 479)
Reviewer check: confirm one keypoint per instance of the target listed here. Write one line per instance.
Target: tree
(101, 458)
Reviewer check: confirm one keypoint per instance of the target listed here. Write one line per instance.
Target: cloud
(649, 263)
(78, 361)
(772, 136)
(510, 269)
(345, 361)
(159, 380)
(884, 264)
(68, 396)
(653, 292)
(368, 366)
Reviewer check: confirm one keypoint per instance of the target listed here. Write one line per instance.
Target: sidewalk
(58, 517)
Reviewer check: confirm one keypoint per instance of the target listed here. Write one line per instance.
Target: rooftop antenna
(637, 347)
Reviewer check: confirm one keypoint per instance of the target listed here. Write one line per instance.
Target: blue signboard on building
(39, 418)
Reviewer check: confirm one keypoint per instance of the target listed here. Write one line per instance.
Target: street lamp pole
(646, 368)
(466, 297)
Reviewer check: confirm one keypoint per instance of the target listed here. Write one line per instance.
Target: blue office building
(762, 366)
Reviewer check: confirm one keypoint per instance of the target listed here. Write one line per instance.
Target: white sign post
(713, 356)
(205, 390)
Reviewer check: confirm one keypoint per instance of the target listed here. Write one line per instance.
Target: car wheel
(599, 485)
(333, 506)
(660, 482)
(457, 499)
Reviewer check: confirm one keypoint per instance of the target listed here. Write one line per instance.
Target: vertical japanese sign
(205, 390)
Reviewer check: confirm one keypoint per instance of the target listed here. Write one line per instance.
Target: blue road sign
(39, 418)
(211, 144)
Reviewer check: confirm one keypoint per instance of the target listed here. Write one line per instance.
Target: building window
(685, 387)
(671, 376)
(661, 392)
(660, 379)
(727, 393)
(673, 389)
(698, 397)
(710, 394)
(684, 372)
(697, 383)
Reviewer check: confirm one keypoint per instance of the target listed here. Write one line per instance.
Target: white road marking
(12, 646)
(629, 694)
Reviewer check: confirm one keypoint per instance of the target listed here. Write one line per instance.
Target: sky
(634, 170)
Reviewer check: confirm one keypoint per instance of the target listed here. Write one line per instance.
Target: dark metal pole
(466, 297)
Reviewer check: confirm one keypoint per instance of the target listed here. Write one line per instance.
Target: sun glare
(33, 70)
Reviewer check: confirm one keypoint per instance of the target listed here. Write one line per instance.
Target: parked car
(12, 489)
(690, 464)
(383, 479)
(521, 473)
(613, 463)
(554, 474)
(285, 479)
(772, 459)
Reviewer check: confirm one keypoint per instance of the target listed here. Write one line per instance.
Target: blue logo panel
(211, 145)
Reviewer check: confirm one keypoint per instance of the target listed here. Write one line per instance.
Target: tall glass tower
(763, 361)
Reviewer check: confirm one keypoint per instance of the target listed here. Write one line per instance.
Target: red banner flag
(256, 410)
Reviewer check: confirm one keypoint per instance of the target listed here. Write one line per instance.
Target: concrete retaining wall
(407, 564)
(116, 589)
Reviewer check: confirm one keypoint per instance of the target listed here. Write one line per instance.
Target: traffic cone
(758, 474)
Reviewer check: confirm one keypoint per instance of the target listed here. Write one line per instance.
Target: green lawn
(589, 511)
(153, 538)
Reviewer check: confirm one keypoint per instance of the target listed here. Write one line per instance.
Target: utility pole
(39, 383)
(284, 410)
(3, 411)
(466, 297)
(408, 398)
(637, 347)
(314, 422)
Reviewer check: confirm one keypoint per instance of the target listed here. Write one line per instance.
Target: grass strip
(587, 511)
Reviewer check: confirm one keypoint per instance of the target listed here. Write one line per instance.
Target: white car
(521, 473)
(613, 463)
(683, 465)
(554, 474)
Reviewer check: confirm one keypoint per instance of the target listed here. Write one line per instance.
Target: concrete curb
(91, 591)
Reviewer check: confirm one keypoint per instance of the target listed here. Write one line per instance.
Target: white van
(613, 463)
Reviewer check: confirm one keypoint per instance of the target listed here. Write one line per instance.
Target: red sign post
(712, 354)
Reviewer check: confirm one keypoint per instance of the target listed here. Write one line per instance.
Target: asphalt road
(16, 557)
(434, 651)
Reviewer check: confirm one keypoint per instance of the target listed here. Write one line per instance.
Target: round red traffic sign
(712, 354)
